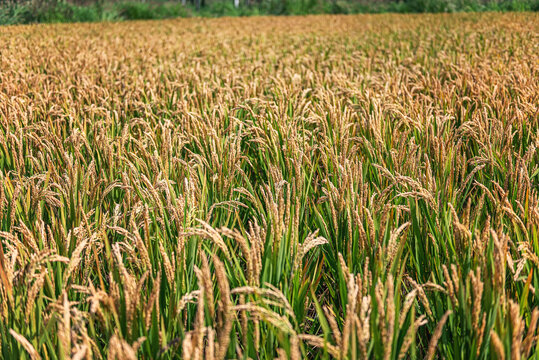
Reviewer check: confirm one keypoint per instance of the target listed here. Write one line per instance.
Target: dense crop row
(315, 187)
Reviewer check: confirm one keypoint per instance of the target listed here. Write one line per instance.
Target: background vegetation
(54, 11)
(343, 187)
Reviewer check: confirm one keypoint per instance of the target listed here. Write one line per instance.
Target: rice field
(321, 187)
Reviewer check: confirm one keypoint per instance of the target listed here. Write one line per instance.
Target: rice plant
(329, 187)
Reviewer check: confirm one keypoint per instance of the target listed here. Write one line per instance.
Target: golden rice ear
(497, 344)
(226, 313)
(119, 349)
(153, 301)
(207, 283)
(194, 345)
(26, 345)
(3, 275)
(319, 342)
(436, 336)
(531, 337)
(33, 293)
(64, 325)
(75, 260)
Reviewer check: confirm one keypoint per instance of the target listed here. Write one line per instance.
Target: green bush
(148, 11)
(135, 11)
(54, 11)
(222, 8)
(14, 14)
